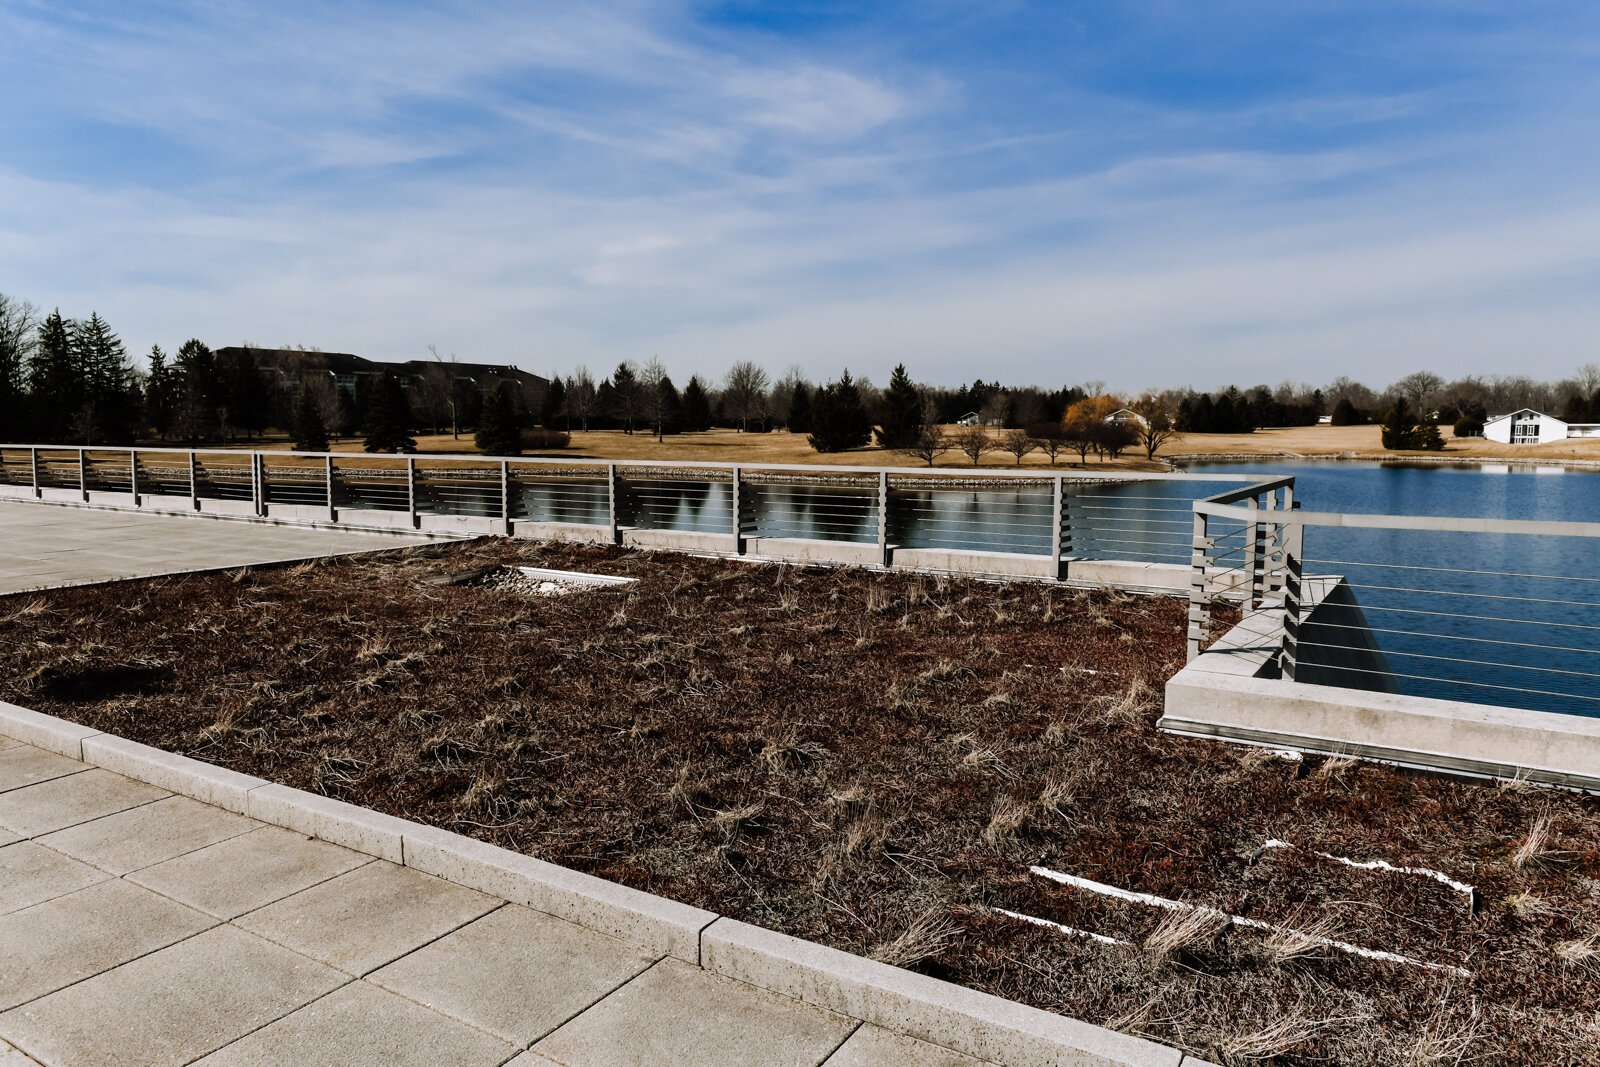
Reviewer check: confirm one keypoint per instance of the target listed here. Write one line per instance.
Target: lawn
(875, 761)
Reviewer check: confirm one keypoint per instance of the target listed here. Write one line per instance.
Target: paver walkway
(142, 928)
(46, 545)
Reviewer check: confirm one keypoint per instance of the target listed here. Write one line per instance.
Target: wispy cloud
(1006, 195)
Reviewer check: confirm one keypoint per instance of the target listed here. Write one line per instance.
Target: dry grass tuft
(1056, 798)
(1336, 768)
(1135, 702)
(1185, 930)
(1529, 906)
(929, 935)
(1442, 1041)
(1300, 940)
(1006, 820)
(1535, 851)
(1580, 951)
(23, 611)
(689, 790)
(1286, 1034)
(787, 752)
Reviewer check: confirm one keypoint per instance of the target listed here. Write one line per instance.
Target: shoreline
(1411, 459)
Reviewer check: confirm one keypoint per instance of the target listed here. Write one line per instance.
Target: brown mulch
(873, 762)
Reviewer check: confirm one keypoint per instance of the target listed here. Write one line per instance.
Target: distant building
(971, 418)
(292, 367)
(1529, 427)
(1127, 417)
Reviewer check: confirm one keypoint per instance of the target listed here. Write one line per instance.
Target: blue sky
(1146, 194)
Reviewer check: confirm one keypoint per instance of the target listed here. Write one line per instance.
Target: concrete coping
(942, 1013)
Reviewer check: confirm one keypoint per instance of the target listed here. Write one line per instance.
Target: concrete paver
(873, 1046)
(50, 545)
(78, 935)
(148, 834)
(249, 950)
(172, 1006)
(10, 1057)
(371, 916)
(61, 802)
(22, 765)
(364, 1026)
(678, 1014)
(495, 973)
(31, 874)
(248, 872)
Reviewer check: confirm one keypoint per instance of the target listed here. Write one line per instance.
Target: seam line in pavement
(834, 1051)
(42, 781)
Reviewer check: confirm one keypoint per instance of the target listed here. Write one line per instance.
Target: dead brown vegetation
(873, 762)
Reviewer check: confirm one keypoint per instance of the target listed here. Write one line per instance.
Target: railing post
(1058, 518)
(1293, 549)
(611, 504)
(736, 502)
(411, 492)
(258, 483)
(83, 474)
(333, 504)
(1256, 557)
(133, 474)
(194, 481)
(33, 460)
(1199, 603)
(884, 557)
(505, 496)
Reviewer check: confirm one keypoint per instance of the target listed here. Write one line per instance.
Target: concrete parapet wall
(1212, 697)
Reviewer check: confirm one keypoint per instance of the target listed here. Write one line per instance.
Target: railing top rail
(1040, 474)
(1427, 523)
(1252, 490)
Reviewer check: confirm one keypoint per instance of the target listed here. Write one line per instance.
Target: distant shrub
(542, 439)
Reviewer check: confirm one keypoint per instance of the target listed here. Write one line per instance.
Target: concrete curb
(942, 1013)
(978, 1024)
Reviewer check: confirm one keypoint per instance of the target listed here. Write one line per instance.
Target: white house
(1128, 417)
(1529, 427)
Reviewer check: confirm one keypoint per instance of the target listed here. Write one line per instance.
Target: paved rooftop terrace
(44, 546)
(142, 927)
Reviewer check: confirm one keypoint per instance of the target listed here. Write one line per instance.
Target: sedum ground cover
(875, 762)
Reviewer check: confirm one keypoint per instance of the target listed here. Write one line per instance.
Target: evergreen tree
(624, 395)
(668, 408)
(310, 433)
(839, 420)
(108, 407)
(160, 393)
(800, 409)
(696, 406)
(388, 417)
(555, 403)
(199, 391)
(498, 434)
(1345, 413)
(902, 411)
(54, 386)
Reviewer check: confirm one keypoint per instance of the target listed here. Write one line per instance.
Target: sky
(1145, 194)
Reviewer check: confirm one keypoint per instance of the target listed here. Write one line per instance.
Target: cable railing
(1503, 612)
(1040, 517)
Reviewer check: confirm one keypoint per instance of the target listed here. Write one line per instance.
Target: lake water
(1497, 619)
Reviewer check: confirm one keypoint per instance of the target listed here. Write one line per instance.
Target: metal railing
(1239, 551)
(1048, 515)
(1486, 611)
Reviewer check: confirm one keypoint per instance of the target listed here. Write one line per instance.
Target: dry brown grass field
(874, 761)
(731, 446)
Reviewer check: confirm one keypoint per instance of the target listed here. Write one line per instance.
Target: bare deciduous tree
(1157, 427)
(930, 441)
(1588, 378)
(581, 396)
(653, 395)
(1420, 389)
(973, 442)
(744, 392)
(1049, 439)
(438, 391)
(1017, 442)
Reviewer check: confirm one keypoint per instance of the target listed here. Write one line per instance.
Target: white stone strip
(1240, 920)
(1382, 865)
(1058, 927)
